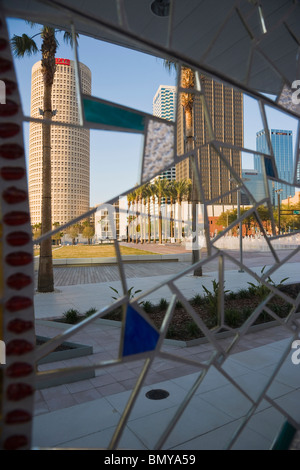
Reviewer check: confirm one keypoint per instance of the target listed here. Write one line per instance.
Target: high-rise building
(282, 144)
(225, 107)
(164, 106)
(70, 146)
(164, 102)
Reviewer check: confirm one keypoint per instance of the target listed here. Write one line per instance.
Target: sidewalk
(84, 414)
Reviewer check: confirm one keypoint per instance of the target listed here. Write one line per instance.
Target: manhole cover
(157, 394)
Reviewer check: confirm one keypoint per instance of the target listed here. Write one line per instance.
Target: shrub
(243, 294)
(260, 289)
(193, 329)
(171, 332)
(197, 299)
(131, 294)
(71, 316)
(90, 311)
(163, 304)
(212, 297)
(148, 306)
(232, 317)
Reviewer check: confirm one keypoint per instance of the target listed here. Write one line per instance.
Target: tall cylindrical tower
(70, 147)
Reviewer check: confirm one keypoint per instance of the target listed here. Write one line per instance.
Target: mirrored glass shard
(270, 167)
(159, 148)
(111, 116)
(289, 97)
(139, 335)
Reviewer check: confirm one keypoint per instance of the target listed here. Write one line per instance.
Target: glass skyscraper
(282, 143)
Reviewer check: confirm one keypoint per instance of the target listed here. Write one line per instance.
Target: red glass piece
(10, 173)
(3, 44)
(8, 129)
(19, 369)
(17, 417)
(19, 391)
(19, 326)
(10, 86)
(5, 65)
(18, 281)
(16, 218)
(14, 304)
(17, 238)
(19, 258)
(11, 151)
(15, 442)
(14, 195)
(10, 109)
(18, 347)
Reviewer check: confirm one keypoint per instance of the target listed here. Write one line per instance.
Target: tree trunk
(159, 221)
(154, 220)
(171, 219)
(128, 224)
(179, 220)
(45, 273)
(149, 220)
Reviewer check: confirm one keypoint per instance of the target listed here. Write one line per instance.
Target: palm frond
(170, 65)
(68, 38)
(32, 24)
(23, 45)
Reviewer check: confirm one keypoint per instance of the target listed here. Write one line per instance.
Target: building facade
(225, 107)
(282, 143)
(70, 146)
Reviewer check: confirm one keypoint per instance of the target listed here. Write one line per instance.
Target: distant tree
(88, 232)
(36, 230)
(58, 235)
(73, 231)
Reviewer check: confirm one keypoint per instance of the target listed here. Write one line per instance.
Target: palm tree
(138, 228)
(172, 195)
(161, 186)
(147, 199)
(130, 200)
(25, 45)
(152, 195)
(187, 80)
(181, 188)
(144, 200)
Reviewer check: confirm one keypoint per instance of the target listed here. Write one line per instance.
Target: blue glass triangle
(139, 335)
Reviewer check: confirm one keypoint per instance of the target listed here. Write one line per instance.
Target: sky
(130, 78)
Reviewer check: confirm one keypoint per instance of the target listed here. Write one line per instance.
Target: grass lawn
(98, 251)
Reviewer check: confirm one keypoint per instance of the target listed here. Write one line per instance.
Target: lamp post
(240, 223)
(278, 191)
(240, 227)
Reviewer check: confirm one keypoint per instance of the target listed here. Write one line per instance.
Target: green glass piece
(112, 116)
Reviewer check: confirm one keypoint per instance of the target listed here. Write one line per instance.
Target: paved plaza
(85, 413)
